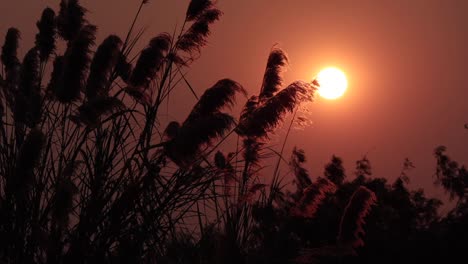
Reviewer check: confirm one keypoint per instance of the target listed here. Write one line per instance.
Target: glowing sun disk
(332, 82)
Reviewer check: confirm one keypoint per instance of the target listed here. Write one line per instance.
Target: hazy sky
(406, 62)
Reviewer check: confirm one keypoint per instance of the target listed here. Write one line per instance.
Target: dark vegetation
(89, 175)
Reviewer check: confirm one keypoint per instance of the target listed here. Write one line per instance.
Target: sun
(333, 83)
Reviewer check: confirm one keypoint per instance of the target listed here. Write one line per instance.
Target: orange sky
(406, 62)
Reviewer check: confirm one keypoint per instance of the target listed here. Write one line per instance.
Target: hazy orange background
(406, 62)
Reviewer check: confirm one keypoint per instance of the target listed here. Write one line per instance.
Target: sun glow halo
(333, 83)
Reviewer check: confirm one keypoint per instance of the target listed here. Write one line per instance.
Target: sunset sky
(406, 63)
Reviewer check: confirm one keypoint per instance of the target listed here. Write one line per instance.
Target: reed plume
(28, 99)
(45, 39)
(140, 95)
(76, 63)
(252, 149)
(302, 178)
(353, 219)
(249, 107)
(272, 80)
(193, 135)
(29, 76)
(220, 95)
(206, 112)
(104, 61)
(10, 49)
(149, 62)
(172, 130)
(71, 19)
(312, 197)
(220, 160)
(195, 37)
(91, 111)
(123, 69)
(55, 77)
(267, 116)
(197, 7)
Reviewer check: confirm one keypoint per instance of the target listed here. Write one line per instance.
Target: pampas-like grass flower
(272, 80)
(10, 48)
(353, 219)
(71, 19)
(267, 116)
(104, 61)
(312, 197)
(45, 39)
(75, 65)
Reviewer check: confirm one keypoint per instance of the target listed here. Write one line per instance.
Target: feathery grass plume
(71, 19)
(197, 7)
(55, 77)
(206, 111)
(91, 111)
(252, 150)
(29, 76)
(76, 63)
(312, 197)
(140, 95)
(28, 98)
(220, 95)
(45, 39)
(178, 60)
(123, 68)
(195, 134)
(302, 178)
(272, 80)
(220, 160)
(150, 61)
(267, 116)
(195, 37)
(172, 130)
(249, 107)
(10, 48)
(105, 58)
(353, 219)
